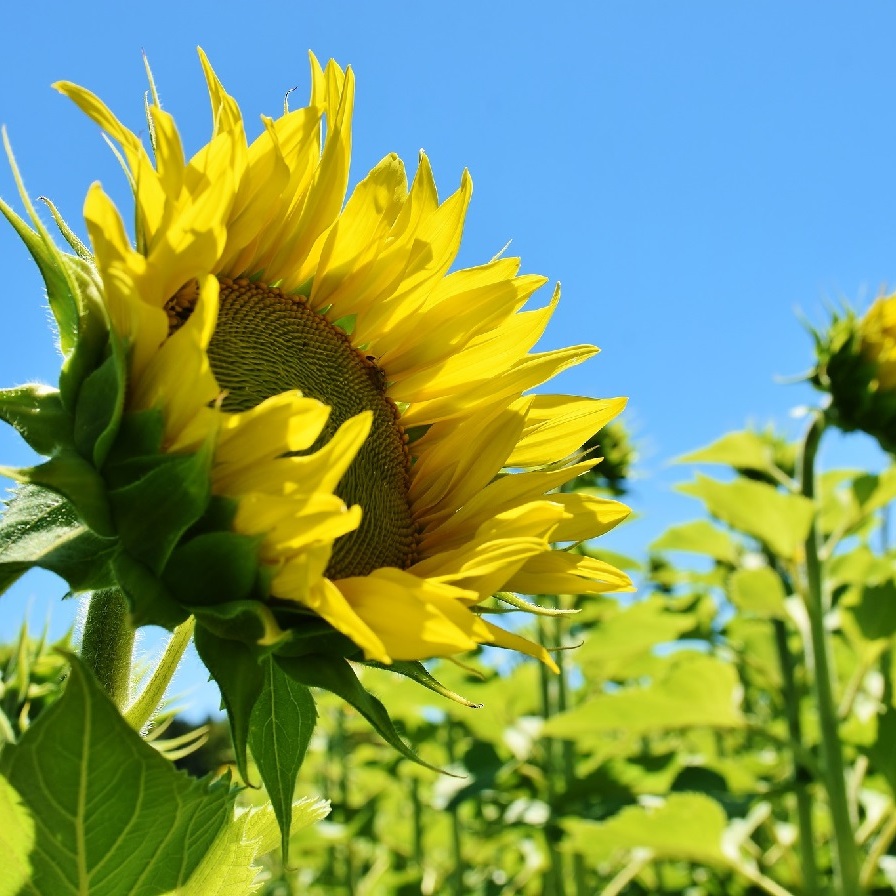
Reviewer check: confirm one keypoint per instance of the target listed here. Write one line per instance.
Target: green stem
(108, 642)
(142, 709)
(553, 884)
(457, 872)
(417, 806)
(801, 774)
(569, 749)
(817, 606)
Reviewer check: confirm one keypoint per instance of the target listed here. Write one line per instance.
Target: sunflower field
(289, 430)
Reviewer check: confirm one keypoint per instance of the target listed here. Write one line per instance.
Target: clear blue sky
(691, 172)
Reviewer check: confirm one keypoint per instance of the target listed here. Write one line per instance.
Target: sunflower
(365, 416)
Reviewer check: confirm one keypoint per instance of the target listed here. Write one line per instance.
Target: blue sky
(691, 172)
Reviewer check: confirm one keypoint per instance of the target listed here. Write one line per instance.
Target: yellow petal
(414, 618)
(558, 572)
(558, 425)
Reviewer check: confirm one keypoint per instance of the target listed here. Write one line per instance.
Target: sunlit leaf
(17, 838)
(112, 817)
(696, 690)
(781, 521)
(698, 537)
(744, 450)
(683, 826)
(758, 592)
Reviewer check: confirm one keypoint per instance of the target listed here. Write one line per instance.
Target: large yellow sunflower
(368, 412)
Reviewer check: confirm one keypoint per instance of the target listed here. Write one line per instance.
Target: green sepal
(38, 414)
(75, 479)
(100, 405)
(336, 675)
(416, 671)
(150, 601)
(136, 446)
(212, 568)
(280, 728)
(153, 513)
(249, 621)
(39, 528)
(93, 330)
(308, 633)
(61, 296)
(235, 668)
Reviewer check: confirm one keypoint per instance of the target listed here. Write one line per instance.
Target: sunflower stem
(801, 775)
(818, 660)
(554, 883)
(569, 747)
(108, 642)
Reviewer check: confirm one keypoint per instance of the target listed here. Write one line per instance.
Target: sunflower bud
(857, 368)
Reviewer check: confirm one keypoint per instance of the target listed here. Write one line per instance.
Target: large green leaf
(758, 591)
(280, 728)
(742, 450)
(228, 868)
(112, 817)
(696, 690)
(16, 841)
(781, 521)
(626, 633)
(686, 826)
(40, 528)
(699, 537)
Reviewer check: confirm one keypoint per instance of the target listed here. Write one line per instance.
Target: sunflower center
(266, 342)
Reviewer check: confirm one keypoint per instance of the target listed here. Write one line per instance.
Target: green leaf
(213, 568)
(625, 633)
(154, 512)
(40, 528)
(758, 591)
(694, 690)
(100, 405)
(93, 331)
(874, 610)
(686, 826)
(743, 450)
(38, 414)
(112, 817)
(236, 670)
(780, 521)
(280, 728)
(416, 671)
(17, 838)
(335, 674)
(75, 479)
(699, 537)
(48, 259)
(227, 868)
(150, 601)
(873, 492)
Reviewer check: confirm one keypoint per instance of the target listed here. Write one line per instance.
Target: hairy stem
(141, 710)
(108, 643)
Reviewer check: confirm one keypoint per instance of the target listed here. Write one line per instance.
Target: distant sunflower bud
(857, 368)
